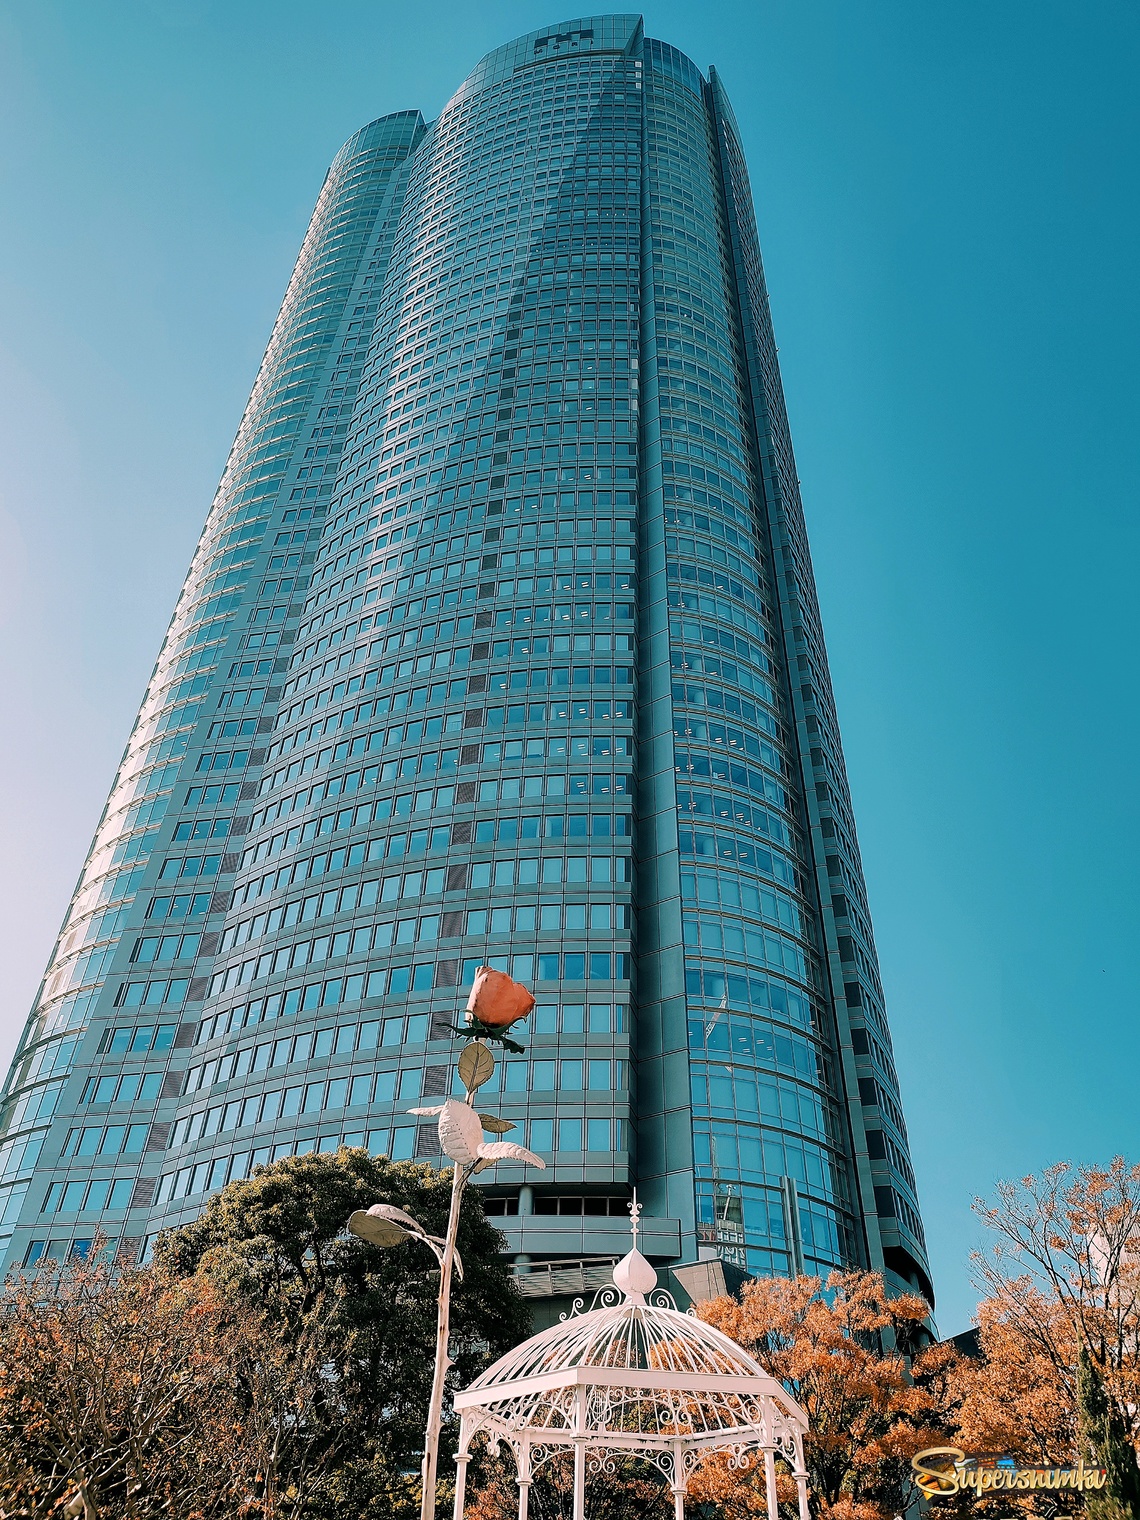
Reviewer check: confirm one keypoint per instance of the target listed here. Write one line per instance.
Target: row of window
(166, 947)
(689, 728)
(368, 938)
(554, 747)
(748, 1152)
(581, 615)
(186, 867)
(521, 871)
(691, 767)
(564, 1076)
(426, 977)
(402, 1142)
(581, 583)
(507, 830)
(699, 548)
(410, 733)
(556, 615)
(137, 1039)
(92, 1195)
(746, 994)
(182, 905)
(151, 994)
(702, 804)
(223, 760)
(757, 1041)
(131, 1087)
(714, 699)
(714, 606)
(592, 548)
(686, 632)
(402, 804)
(547, 1018)
(106, 1140)
(374, 849)
(193, 830)
(482, 831)
(706, 935)
(214, 795)
(362, 1089)
(733, 1090)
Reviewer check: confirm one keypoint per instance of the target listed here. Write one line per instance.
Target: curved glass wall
(89, 1101)
(556, 701)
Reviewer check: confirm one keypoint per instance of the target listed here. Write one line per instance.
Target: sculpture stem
(430, 1467)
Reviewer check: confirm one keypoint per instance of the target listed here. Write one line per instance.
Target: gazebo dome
(632, 1374)
(623, 1333)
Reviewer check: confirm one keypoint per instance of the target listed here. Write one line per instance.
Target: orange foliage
(837, 1351)
(1065, 1271)
(116, 1397)
(1013, 1398)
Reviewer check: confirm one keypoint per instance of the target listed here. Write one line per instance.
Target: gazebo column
(678, 1483)
(579, 1454)
(801, 1490)
(801, 1478)
(770, 1484)
(524, 1478)
(579, 1478)
(461, 1459)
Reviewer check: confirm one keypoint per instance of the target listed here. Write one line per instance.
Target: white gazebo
(634, 1375)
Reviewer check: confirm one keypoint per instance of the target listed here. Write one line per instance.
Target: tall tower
(500, 645)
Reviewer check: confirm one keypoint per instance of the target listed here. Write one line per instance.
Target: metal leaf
(507, 1150)
(476, 1065)
(375, 1230)
(436, 1108)
(460, 1133)
(495, 1126)
(390, 1211)
(455, 1256)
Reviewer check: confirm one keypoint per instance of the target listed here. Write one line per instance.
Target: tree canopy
(867, 1414)
(283, 1362)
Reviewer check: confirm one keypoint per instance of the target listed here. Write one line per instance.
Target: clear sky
(947, 204)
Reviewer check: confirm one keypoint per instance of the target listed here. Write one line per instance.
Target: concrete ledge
(543, 1235)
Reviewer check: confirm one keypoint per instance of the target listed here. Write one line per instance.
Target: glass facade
(500, 646)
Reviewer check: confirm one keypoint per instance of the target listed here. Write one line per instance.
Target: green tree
(1108, 1445)
(336, 1404)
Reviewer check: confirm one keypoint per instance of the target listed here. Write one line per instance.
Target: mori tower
(500, 646)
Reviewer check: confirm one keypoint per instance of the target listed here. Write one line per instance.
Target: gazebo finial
(634, 1277)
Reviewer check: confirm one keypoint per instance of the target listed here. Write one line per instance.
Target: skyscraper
(500, 645)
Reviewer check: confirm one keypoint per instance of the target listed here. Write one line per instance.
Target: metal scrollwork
(605, 1298)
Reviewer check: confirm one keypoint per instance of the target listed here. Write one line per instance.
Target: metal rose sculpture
(496, 1002)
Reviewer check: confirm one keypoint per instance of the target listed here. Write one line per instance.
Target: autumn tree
(1059, 1326)
(337, 1406)
(266, 1364)
(117, 1395)
(867, 1414)
(1010, 1398)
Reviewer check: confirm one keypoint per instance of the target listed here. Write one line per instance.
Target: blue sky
(946, 200)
